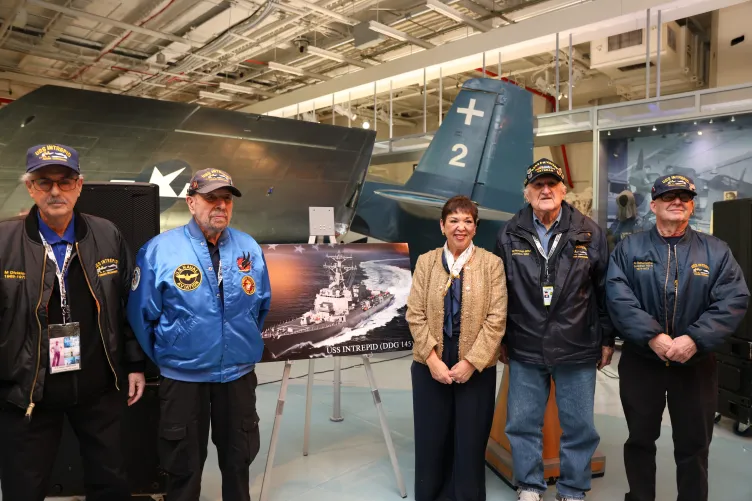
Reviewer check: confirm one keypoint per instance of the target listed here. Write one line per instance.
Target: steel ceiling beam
(112, 22)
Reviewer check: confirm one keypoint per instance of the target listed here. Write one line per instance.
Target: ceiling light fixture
(296, 71)
(212, 95)
(437, 6)
(316, 51)
(235, 88)
(398, 35)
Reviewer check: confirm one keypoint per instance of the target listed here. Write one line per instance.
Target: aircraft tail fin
(482, 148)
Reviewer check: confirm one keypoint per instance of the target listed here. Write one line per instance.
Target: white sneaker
(528, 496)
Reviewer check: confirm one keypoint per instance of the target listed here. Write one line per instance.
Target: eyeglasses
(65, 184)
(672, 195)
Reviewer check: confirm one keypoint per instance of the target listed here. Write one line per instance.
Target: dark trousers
(186, 411)
(691, 392)
(28, 449)
(452, 423)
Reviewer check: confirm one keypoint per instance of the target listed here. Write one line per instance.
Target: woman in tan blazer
(457, 315)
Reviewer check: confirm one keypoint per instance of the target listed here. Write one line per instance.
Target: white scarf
(455, 267)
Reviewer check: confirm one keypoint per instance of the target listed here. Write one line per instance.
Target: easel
(321, 220)
(498, 450)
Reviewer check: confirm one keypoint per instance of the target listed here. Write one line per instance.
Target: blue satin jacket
(176, 311)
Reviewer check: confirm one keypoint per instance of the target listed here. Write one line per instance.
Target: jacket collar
(31, 224)
(524, 219)
(659, 240)
(195, 232)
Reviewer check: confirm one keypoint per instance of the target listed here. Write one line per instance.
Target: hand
(439, 370)
(136, 386)
(504, 355)
(682, 349)
(462, 371)
(606, 354)
(660, 344)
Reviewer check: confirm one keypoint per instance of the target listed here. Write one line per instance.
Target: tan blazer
(484, 308)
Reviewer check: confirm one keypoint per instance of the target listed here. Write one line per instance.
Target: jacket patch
(701, 270)
(14, 275)
(244, 262)
(643, 265)
(106, 267)
(249, 285)
(136, 278)
(187, 277)
(580, 252)
(520, 252)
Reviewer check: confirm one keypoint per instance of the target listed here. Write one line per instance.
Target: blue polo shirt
(58, 243)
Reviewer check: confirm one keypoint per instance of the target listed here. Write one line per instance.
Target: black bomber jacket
(27, 278)
(576, 326)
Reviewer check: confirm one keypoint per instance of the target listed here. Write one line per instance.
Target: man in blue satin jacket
(198, 300)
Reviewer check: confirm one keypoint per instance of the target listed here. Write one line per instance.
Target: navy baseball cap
(207, 180)
(672, 182)
(543, 167)
(42, 155)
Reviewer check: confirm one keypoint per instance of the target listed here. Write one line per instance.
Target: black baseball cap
(543, 167)
(673, 182)
(43, 155)
(207, 180)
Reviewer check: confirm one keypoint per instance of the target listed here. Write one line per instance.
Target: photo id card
(65, 348)
(548, 293)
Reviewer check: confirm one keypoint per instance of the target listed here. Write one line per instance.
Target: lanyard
(65, 308)
(553, 247)
(550, 253)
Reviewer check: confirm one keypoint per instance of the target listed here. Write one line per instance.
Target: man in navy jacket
(674, 295)
(200, 294)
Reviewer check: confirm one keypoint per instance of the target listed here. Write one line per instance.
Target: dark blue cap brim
(39, 165)
(209, 187)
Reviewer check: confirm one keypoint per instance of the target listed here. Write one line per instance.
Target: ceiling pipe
(112, 22)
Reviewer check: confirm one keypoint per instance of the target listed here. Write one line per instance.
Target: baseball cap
(542, 167)
(207, 180)
(42, 155)
(672, 182)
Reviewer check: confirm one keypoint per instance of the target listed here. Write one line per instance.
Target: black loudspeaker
(134, 208)
(732, 223)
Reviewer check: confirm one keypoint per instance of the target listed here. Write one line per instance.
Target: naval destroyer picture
(336, 299)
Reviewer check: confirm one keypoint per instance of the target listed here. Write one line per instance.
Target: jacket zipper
(676, 290)
(665, 287)
(30, 408)
(99, 311)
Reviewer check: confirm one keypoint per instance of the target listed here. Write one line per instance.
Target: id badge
(548, 293)
(65, 347)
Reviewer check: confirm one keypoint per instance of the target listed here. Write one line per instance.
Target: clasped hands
(679, 350)
(460, 373)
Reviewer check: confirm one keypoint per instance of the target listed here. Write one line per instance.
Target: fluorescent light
(284, 68)
(296, 71)
(212, 95)
(398, 35)
(335, 57)
(236, 88)
(437, 6)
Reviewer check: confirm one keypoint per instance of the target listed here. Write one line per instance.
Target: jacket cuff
(135, 367)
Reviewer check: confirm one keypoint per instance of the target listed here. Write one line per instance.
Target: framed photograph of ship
(336, 300)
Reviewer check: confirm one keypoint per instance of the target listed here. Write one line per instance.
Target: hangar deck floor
(348, 461)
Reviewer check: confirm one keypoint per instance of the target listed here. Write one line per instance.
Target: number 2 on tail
(462, 154)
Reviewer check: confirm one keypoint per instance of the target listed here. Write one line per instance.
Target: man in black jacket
(674, 295)
(555, 260)
(65, 348)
